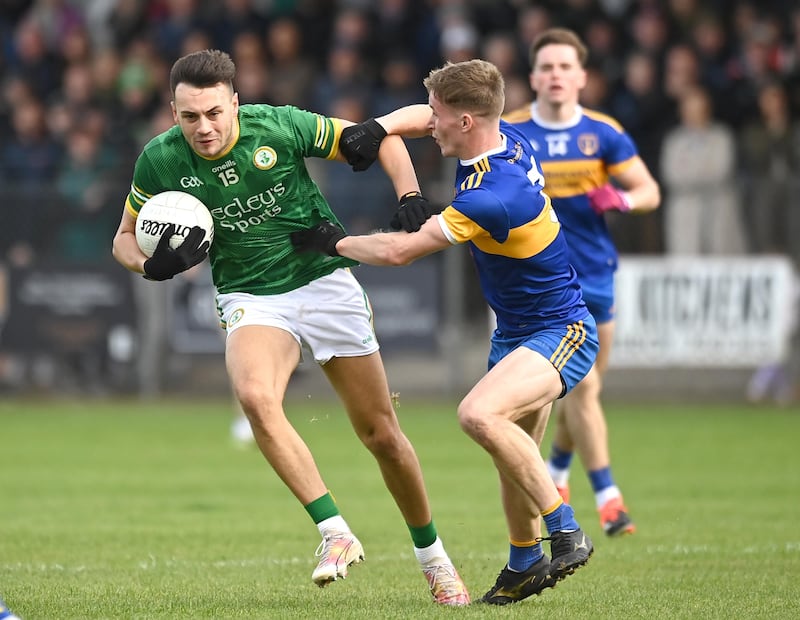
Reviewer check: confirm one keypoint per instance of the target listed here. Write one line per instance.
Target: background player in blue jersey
(545, 341)
(581, 152)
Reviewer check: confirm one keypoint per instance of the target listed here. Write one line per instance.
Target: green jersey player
(247, 164)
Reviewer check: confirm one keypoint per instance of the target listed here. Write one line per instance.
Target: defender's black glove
(321, 238)
(167, 262)
(412, 212)
(361, 142)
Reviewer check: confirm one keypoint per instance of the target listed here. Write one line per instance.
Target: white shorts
(331, 316)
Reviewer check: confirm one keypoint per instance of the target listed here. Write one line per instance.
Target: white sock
(601, 497)
(336, 523)
(431, 554)
(560, 476)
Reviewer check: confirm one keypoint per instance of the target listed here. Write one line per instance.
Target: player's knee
(384, 441)
(474, 421)
(258, 402)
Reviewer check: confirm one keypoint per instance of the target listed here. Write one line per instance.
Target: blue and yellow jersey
(515, 238)
(578, 156)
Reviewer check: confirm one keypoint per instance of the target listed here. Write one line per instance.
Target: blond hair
(474, 86)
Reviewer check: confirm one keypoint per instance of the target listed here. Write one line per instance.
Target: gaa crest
(265, 157)
(588, 143)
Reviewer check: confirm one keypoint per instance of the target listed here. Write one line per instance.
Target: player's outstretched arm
(412, 121)
(389, 249)
(361, 143)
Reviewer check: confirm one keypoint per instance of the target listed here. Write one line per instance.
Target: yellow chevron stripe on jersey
(573, 177)
(576, 335)
(522, 242)
(472, 181)
(482, 165)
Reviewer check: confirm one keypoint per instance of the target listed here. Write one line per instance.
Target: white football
(179, 208)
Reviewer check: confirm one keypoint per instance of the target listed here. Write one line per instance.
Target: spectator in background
(533, 19)
(29, 58)
(28, 163)
(710, 43)
(178, 19)
(501, 50)
(126, 21)
(231, 18)
(681, 73)
(769, 150)
(698, 170)
(87, 180)
(640, 101)
(649, 31)
(292, 73)
(459, 40)
(769, 158)
(346, 74)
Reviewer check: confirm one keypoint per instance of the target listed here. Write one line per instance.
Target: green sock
(423, 536)
(322, 508)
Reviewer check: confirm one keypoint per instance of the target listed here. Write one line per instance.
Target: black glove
(321, 238)
(166, 262)
(361, 142)
(412, 212)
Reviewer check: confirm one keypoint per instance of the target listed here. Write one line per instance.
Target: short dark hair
(558, 36)
(202, 69)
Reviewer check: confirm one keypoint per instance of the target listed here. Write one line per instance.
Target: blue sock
(601, 479)
(522, 557)
(561, 519)
(560, 459)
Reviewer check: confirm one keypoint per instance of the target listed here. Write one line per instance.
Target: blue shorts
(599, 298)
(571, 349)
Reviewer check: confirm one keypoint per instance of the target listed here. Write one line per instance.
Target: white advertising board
(703, 311)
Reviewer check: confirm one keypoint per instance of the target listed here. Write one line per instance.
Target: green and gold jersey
(258, 191)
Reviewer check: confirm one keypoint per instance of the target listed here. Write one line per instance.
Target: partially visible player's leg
(583, 425)
(527, 572)
(361, 384)
(260, 359)
(337, 326)
(522, 383)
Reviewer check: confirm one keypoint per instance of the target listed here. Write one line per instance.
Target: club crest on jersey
(265, 157)
(588, 143)
(236, 316)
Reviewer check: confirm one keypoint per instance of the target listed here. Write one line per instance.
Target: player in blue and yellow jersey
(247, 164)
(545, 341)
(590, 166)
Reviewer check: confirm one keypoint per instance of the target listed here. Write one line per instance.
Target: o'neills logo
(265, 157)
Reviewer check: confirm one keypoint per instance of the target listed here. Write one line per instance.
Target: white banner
(703, 311)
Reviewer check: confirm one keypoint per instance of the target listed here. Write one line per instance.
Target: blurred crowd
(708, 89)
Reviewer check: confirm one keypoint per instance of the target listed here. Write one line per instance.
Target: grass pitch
(146, 510)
